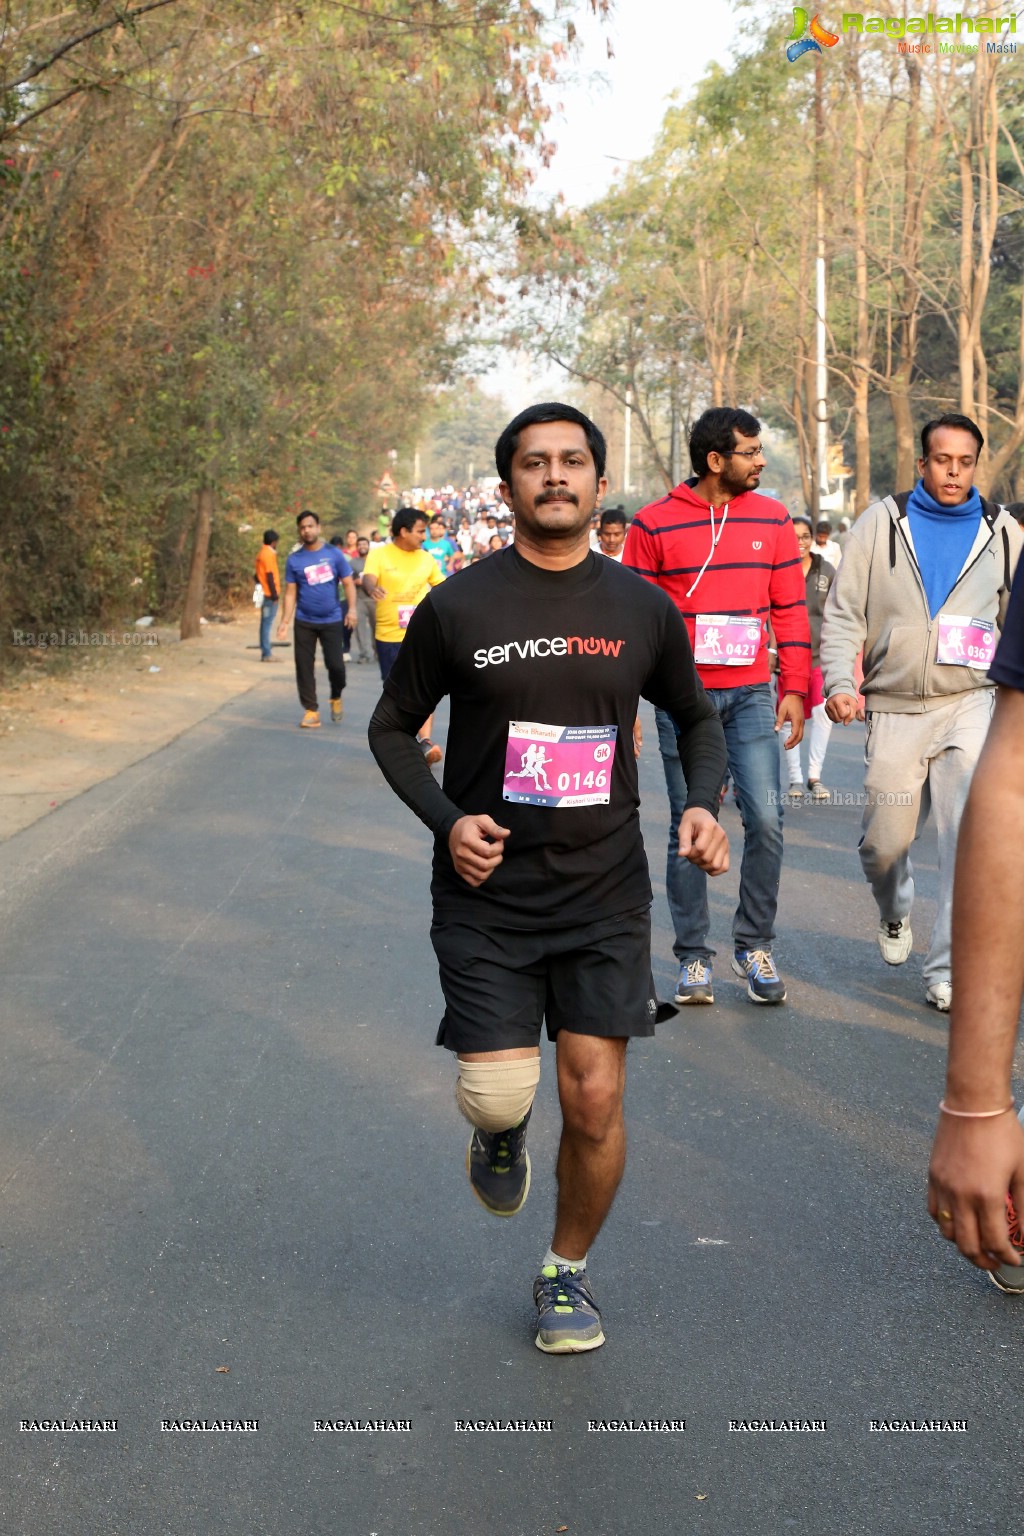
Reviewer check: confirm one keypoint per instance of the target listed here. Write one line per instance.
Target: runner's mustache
(556, 496)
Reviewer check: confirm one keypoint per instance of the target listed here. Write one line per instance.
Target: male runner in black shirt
(540, 884)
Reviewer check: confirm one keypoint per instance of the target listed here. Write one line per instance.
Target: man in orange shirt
(268, 577)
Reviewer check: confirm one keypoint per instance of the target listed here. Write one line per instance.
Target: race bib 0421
(559, 765)
(726, 640)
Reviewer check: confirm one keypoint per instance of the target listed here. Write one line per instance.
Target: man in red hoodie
(728, 558)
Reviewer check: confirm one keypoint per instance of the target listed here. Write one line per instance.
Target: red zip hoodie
(742, 562)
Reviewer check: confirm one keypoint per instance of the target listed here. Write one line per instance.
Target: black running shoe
(498, 1165)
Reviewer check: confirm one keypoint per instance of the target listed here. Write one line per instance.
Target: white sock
(551, 1257)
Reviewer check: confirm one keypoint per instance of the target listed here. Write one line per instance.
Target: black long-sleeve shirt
(544, 670)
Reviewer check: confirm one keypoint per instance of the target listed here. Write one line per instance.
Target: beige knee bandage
(495, 1095)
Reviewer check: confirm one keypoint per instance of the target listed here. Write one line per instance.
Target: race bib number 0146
(559, 765)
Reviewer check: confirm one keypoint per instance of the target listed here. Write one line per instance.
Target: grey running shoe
(817, 790)
(568, 1321)
(498, 1165)
(764, 984)
(1008, 1277)
(694, 984)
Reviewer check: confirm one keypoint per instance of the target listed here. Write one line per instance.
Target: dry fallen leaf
(702, 1496)
(222, 1370)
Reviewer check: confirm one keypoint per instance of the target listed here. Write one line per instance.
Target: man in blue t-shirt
(311, 579)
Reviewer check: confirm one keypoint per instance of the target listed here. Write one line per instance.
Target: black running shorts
(501, 984)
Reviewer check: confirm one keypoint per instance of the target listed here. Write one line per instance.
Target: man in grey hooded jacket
(923, 587)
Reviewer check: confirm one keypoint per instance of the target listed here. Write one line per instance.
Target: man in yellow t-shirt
(397, 576)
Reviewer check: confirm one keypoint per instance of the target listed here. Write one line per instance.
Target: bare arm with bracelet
(978, 1153)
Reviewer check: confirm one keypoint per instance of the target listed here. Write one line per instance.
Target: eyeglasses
(745, 453)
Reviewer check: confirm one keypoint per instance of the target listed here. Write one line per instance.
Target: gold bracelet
(975, 1114)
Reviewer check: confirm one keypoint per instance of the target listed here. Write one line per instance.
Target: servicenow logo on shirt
(557, 645)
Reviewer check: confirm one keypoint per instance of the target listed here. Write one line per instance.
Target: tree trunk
(979, 214)
(193, 607)
(903, 420)
(862, 355)
(801, 417)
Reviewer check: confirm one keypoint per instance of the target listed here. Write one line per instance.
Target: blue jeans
(268, 613)
(387, 655)
(748, 719)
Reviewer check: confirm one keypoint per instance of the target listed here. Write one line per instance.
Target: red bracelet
(975, 1114)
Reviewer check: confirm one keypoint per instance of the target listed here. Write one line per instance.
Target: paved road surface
(233, 1187)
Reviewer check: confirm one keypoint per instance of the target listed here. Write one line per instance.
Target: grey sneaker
(764, 984)
(568, 1321)
(1008, 1277)
(694, 984)
(498, 1165)
(817, 790)
(895, 940)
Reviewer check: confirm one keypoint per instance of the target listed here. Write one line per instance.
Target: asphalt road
(233, 1188)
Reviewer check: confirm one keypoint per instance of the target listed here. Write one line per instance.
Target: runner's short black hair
(951, 419)
(406, 517)
(539, 415)
(307, 513)
(798, 517)
(715, 432)
(612, 515)
(337, 541)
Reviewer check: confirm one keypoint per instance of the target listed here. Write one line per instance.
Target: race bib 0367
(965, 642)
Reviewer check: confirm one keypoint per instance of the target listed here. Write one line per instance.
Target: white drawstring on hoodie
(715, 537)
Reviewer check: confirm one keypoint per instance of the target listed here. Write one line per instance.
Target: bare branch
(120, 20)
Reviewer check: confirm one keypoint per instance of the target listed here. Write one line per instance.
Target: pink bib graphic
(316, 575)
(965, 642)
(405, 613)
(559, 765)
(726, 640)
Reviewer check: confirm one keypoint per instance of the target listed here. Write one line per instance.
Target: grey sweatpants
(363, 648)
(917, 763)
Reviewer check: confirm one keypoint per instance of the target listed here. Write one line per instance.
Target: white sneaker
(895, 940)
(940, 995)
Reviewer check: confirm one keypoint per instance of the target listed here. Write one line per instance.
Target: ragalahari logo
(802, 43)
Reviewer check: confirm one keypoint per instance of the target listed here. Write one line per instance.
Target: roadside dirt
(80, 714)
